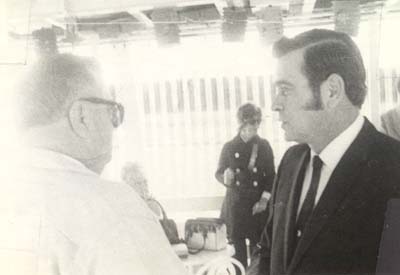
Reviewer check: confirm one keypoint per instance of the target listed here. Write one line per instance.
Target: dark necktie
(309, 201)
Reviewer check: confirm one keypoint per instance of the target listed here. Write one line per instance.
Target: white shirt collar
(334, 151)
(48, 159)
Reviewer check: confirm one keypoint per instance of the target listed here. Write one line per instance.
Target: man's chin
(291, 138)
(106, 158)
(288, 136)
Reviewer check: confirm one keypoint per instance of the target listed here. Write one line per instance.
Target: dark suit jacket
(389, 251)
(343, 234)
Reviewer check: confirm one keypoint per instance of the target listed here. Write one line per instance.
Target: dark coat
(247, 187)
(343, 234)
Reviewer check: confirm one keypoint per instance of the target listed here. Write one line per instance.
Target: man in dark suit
(329, 198)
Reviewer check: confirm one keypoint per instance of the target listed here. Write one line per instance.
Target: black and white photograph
(200, 137)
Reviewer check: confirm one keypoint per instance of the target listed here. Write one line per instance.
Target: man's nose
(276, 104)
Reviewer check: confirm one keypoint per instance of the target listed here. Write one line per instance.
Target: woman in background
(246, 168)
(132, 174)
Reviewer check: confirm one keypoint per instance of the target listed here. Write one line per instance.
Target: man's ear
(332, 91)
(79, 119)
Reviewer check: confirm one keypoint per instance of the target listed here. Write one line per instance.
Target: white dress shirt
(330, 157)
(60, 218)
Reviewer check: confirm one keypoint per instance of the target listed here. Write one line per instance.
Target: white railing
(176, 127)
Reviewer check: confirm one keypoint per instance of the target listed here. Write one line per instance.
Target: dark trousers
(241, 250)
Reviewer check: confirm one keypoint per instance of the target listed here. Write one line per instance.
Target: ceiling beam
(139, 15)
(309, 6)
(220, 5)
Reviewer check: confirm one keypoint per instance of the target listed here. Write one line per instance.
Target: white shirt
(330, 157)
(60, 218)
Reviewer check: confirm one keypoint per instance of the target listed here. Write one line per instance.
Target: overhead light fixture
(166, 26)
(108, 31)
(207, 12)
(71, 34)
(110, 25)
(45, 41)
(234, 24)
(270, 24)
(296, 7)
(347, 16)
(71, 31)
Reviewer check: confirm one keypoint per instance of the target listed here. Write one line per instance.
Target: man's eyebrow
(283, 83)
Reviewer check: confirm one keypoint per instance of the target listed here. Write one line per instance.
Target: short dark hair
(327, 52)
(249, 113)
(50, 85)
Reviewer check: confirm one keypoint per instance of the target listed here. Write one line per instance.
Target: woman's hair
(249, 113)
(133, 169)
(133, 175)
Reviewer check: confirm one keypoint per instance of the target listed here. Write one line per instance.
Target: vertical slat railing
(176, 128)
(185, 122)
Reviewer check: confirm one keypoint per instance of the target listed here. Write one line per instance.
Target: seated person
(132, 174)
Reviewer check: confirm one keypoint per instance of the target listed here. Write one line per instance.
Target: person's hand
(229, 176)
(260, 206)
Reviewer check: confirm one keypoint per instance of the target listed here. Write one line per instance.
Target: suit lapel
(342, 178)
(291, 208)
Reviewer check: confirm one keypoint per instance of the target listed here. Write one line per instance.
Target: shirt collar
(48, 159)
(334, 151)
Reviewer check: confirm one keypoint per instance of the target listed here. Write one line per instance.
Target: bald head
(51, 85)
(62, 105)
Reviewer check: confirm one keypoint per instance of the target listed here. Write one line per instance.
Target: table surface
(193, 262)
(207, 256)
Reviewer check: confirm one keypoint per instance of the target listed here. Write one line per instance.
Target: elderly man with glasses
(62, 218)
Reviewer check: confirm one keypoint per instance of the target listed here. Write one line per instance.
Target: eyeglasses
(117, 115)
